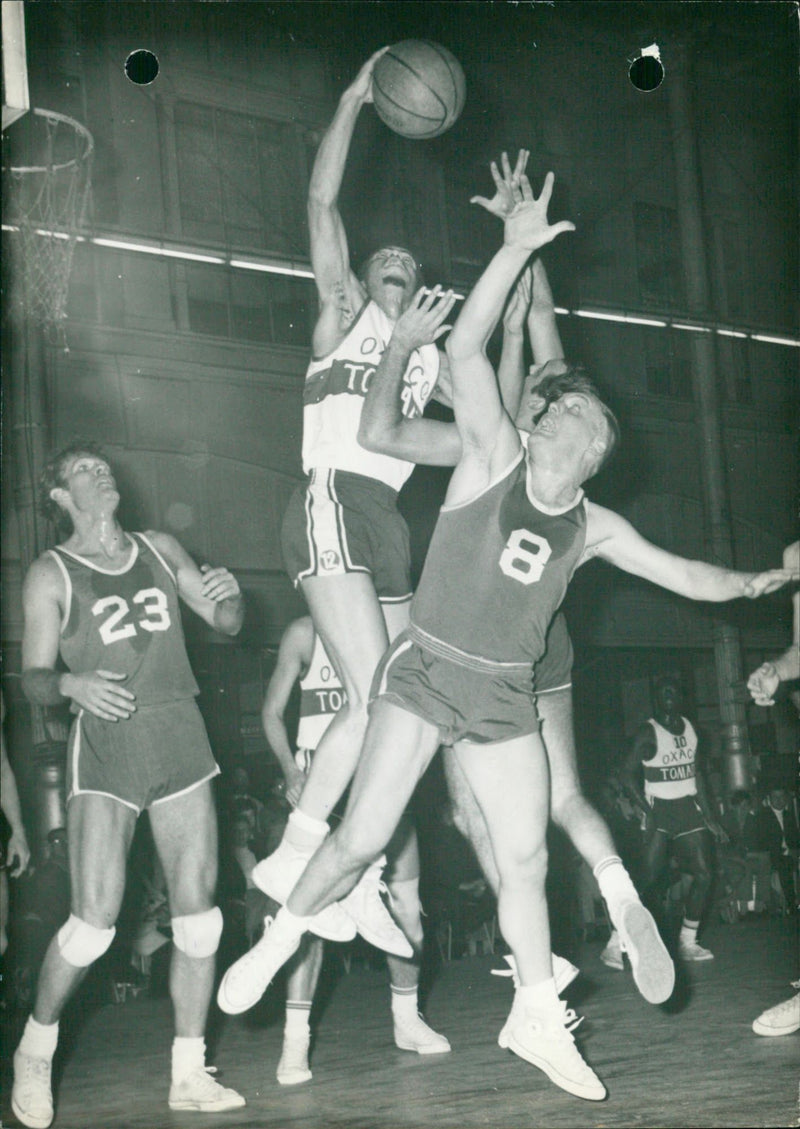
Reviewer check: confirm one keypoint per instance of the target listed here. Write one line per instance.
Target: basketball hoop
(47, 202)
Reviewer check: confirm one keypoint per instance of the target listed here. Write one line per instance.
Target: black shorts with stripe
(338, 523)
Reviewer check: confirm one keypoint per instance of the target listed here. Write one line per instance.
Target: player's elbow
(372, 436)
(461, 344)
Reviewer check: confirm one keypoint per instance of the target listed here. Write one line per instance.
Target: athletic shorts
(553, 671)
(157, 754)
(339, 522)
(479, 704)
(675, 818)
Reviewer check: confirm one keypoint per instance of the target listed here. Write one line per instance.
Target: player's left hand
(763, 683)
(506, 186)
(219, 584)
(526, 225)
(762, 583)
(422, 322)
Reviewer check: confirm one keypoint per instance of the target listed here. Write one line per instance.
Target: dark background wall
(190, 373)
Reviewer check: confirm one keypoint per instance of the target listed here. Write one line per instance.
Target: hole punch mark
(141, 67)
(647, 71)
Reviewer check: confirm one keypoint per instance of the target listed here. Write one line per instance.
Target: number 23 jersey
(497, 570)
(128, 622)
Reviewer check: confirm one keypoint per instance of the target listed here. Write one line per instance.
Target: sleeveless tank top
(334, 393)
(670, 774)
(497, 570)
(126, 621)
(321, 698)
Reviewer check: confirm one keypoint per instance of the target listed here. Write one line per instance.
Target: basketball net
(48, 202)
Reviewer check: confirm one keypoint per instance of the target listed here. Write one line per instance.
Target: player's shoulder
(44, 577)
(166, 544)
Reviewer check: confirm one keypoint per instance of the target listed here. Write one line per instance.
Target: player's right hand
(507, 186)
(97, 692)
(361, 85)
(422, 322)
(295, 782)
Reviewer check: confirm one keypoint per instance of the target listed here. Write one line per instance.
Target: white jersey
(321, 698)
(671, 773)
(334, 393)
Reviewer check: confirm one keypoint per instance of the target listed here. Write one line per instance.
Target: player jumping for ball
(514, 527)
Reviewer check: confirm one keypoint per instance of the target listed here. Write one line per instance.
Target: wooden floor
(693, 1062)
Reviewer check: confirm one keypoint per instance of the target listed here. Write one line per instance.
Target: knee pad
(80, 943)
(198, 934)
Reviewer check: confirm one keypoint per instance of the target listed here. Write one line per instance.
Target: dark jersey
(128, 622)
(497, 570)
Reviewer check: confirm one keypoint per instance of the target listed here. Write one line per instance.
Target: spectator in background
(775, 830)
(661, 775)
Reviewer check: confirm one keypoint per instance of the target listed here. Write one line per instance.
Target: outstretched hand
(422, 322)
(763, 583)
(527, 226)
(504, 199)
(361, 85)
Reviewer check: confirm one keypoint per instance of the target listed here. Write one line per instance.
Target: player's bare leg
(185, 835)
(355, 630)
(397, 750)
(411, 1032)
(301, 985)
(100, 831)
(510, 782)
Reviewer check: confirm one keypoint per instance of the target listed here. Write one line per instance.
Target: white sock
(188, 1055)
(405, 1003)
(303, 831)
(39, 1039)
(539, 998)
(298, 1014)
(615, 883)
(689, 932)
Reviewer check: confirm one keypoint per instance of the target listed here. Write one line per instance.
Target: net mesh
(47, 204)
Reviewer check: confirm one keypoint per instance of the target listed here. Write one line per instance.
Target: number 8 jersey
(496, 571)
(126, 621)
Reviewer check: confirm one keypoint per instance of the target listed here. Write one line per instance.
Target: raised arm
(766, 679)
(614, 539)
(213, 593)
(542, 326)
(340, 293)
(476, 400)
(294, 656)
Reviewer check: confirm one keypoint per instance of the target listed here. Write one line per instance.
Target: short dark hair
(52, 477)
(575, 378)
(361, 273)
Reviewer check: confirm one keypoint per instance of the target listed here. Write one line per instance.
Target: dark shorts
(155, 755)
(554, 669)
(675, 818)
(338, 522)
(465, 703)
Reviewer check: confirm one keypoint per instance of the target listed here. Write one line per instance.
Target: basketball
(418, 88)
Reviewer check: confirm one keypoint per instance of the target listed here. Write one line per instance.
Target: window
(251, 307)
(658, 255)
(667, 362)
(242, 180)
